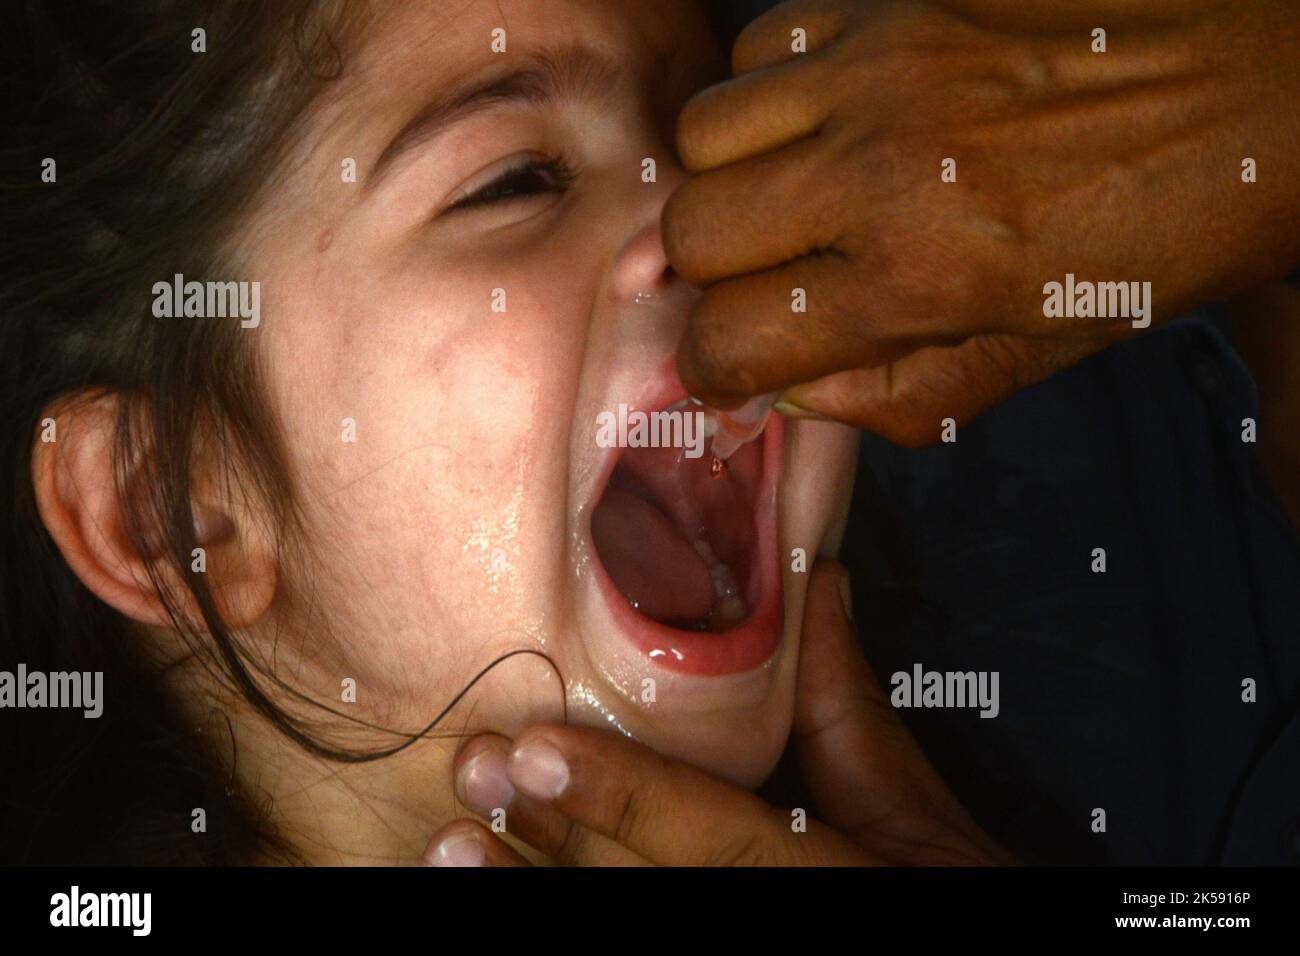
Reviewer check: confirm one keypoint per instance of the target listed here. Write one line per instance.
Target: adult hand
(824, 171)
(591, 797)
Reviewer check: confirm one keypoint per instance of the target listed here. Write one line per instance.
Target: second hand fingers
(744, 337)
(911, 399)
(659, 809)
(483, 786)
(466, 843)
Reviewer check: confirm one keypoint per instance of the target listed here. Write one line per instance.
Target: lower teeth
(728, 606)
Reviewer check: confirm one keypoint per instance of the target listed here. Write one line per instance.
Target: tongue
(650, 561)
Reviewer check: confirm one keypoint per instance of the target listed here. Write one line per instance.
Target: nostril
(641, 267)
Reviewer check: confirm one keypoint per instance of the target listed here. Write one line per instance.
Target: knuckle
(912, 431)
(872, 156)
(747, 848)
(697, 130)
(918, 281)
(1015, 70)
(572, 846)
(712, 347)
(627, 819)
(1032, 68)
(632, 814)
(761, 842)
(763, 36)
(688, 231)
(1004, 358)
(912, 420)
(845, 291)
(1018, 362)
(752, 43)
(958, 285)
(915, 243)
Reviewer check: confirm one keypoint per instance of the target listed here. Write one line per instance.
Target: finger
(469, 843)
(753, 114)
(482, 785)
(565, 842)
(753, 215)
(909, 400)
(660, 809)
(867, 773)
(769, 39)
(744, 337)
(845, 731)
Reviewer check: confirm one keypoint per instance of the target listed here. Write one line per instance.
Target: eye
(524, 178)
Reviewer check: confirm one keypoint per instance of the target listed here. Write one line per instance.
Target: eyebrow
(569, 72)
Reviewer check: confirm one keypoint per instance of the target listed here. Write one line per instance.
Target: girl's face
(441, 335)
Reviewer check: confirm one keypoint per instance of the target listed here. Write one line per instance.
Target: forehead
(409, 51)
(401, 57)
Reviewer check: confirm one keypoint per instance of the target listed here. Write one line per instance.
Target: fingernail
(539, 770)
(482, 784)
(846, 595)
(459, 849)
(791, 410)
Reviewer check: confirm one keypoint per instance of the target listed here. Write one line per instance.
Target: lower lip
(743, 648)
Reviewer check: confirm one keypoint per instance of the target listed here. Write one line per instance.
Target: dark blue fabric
(1120, 690)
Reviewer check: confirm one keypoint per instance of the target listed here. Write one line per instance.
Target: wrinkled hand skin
(821, 171)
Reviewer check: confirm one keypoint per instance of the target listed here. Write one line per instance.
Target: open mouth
(689, 556)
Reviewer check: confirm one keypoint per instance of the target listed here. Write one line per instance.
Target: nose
(641, 270)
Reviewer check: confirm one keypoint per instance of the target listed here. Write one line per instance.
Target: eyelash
(507, 186)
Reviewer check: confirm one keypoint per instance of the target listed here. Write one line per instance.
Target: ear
(80, 506)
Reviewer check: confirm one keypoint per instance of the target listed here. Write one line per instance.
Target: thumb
(865, 770)
(843, 724)
(908, 399)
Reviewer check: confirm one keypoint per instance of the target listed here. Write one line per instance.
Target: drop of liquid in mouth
(717, 468)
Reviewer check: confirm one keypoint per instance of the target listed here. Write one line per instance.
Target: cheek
(429, 445)
(820, 463)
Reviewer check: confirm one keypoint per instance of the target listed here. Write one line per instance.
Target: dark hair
(159, 149)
